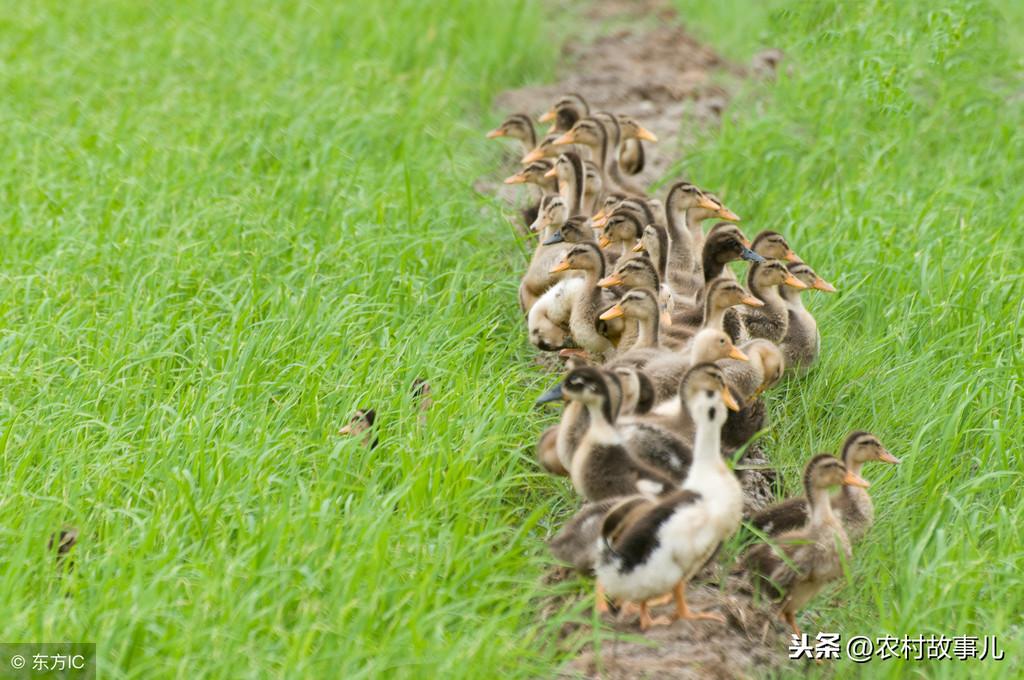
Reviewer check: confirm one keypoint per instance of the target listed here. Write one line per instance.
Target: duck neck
(646, 332)
(769, 295)
(694, 223)
(707, 452)
(714, 314)
(792, 297)
(601, 422)
(821, 509)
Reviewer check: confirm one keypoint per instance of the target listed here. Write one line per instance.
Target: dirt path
(637, 59)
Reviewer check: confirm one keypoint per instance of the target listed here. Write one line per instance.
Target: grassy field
(227, 225)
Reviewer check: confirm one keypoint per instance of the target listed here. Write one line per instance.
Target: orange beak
(515, 179)
(638, 247)
(609, 281)
(730, 401)
(604, 241)
(729, 215)
(853, 480)
(707, 204)
(346, 430)
(887, 457)
(568, 138)
(534, 155)
(790, 256)
(614, 312)
(497, 132)
(822, 284)
(746, 242)
(573, 352)
(645, 134)
(600, 219)
(553, 172)
(547, 116)
(736, 353)
(794, 282)
(752, 301)
(560, 267)
(666, 318)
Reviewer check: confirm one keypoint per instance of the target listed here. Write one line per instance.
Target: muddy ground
(636, 58)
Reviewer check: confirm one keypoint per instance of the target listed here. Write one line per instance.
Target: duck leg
(790, 618)
(684, 612)
(645, 618)
(601, 603)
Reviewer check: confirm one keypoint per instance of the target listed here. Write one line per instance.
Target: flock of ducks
(667, 355)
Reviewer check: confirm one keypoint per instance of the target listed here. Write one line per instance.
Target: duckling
(681, 207)
(550, 147)
(517, 126)
(747, 380)
(576, 543)
(770, 321)
(641, 311)
(647, 551)
(805, 560)
(361, 423)
(569, 170)
(639, 272)
(538, 277)
(566, 111)
(631, 150)
(666, 369)
(721, 295)
(852, 504)
(593, 187)
(771, 245)
(535, 173)
(593, 133)
(601, 467)
(725, 243)
(802, 342)
(586, 301)
(619, 234)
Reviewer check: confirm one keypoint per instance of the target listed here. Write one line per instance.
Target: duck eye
(710, 393)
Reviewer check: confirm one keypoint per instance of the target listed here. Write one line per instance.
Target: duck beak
(751, 301)
(346, 430)
(554, 238)
(645, 134)
(560, 267)
(613, 312)
(822, 284)
(495, 133)
(600, 219)
(554, 394)
(736, 353)
(853, 480)
(604, 241)
(666, 318)
(568, 138)
(708, 204)
(534, 155)
(547, 116)
(790, 256)
(515, 179)
(751, 256)
(573, 353)
(730, 401)
(728, 215)
(760, 390)
(553, 172)
(794, 282)
(535, 226)
(887, 457)
(609, 281)
(638, 247)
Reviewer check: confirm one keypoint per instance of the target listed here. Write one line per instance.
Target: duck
(725, 243)
(686, 208)
(361, 423)
(770, 321)
(592, 133)
(569, 170)
(641, 311)
(647, 550)
(518, 126)
(665, 369)
(551, 213)
(852, 504)
(721, 295)
(587, 299)
(576, 543)
(802, 342)
(565, 112)
(802, 561)
(747, 381)
(639, 272)
(619, 234)
(535, 173)
(771, 245)
(632, 157)
(600, 466)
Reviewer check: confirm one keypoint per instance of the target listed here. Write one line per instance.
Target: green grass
(227, 225)
(890, 153)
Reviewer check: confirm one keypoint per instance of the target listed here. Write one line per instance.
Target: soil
(638, 59)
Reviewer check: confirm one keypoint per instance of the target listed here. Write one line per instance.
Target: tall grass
(225, 226)
(889, 151)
